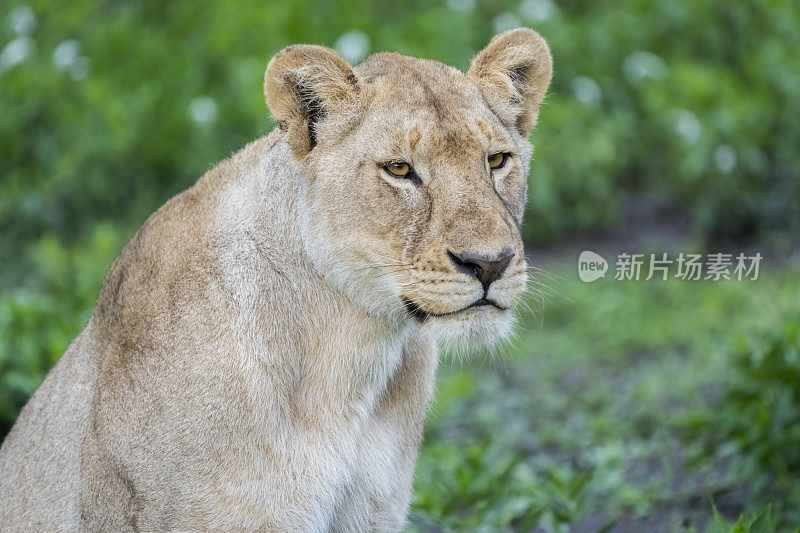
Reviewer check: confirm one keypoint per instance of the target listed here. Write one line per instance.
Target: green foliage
(755, 422)
(37, 325)
(762, 523)
(691, 112)
(484, 488)
(766, 394)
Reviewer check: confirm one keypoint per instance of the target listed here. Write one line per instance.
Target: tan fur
(254, 362)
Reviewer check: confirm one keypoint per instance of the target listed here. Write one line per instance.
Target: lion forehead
(396, 66)
(414, 85)
(426, 108)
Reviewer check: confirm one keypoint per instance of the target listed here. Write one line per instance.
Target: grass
(591, 419)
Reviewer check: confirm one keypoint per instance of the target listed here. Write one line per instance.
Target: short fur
(253, 362)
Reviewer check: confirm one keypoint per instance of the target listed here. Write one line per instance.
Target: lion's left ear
(513, 73)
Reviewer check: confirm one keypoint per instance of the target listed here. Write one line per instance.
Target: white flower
(67, 57)
(203, 110)
(65, 54)
(686, 124)
(16, 52)
(537, 10)
(725, 158)
(22, 20)
(587, 91)
(353, 45)
(80, 68)
(639, 66)
(506, 21)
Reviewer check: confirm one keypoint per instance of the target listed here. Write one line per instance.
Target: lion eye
(497, 160)
(398, 169)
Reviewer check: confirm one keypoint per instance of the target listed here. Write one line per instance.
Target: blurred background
(670, 126)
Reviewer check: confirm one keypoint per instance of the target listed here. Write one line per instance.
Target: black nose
(487, 268)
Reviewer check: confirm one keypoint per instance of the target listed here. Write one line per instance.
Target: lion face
(417, 177)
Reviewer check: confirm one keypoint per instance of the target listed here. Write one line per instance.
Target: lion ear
(303, 84)
(513, 73)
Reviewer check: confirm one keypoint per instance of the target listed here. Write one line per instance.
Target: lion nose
(486, 268)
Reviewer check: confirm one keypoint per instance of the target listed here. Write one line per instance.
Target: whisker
(549, 290)
(384, 265)
(540, 271)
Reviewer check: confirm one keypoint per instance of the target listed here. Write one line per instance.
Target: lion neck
(346, 353)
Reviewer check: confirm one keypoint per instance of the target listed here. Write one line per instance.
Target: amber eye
(497, 160)
(398, 169)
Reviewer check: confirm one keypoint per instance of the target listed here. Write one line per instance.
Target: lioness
(263, 351)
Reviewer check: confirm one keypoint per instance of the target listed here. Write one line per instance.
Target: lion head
(415, 176)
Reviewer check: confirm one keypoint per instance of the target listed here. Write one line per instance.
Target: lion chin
(476, 327)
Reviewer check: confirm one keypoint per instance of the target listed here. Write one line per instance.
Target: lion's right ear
(303, 85)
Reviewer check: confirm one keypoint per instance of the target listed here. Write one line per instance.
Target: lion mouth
(421, 315)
